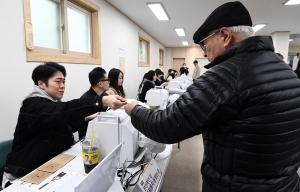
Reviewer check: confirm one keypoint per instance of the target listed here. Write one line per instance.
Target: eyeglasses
(201, 43)
(108, 79)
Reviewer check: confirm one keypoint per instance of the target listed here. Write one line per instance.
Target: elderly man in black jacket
(247, 106)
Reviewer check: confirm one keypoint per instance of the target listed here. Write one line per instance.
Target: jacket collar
(93, 92)
(251, 44)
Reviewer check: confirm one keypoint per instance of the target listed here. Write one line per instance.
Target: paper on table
(56, 163)
(36, 177)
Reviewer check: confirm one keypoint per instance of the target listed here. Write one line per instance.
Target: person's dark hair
(159, 72)
(96, 75)
(149, 75)
(183, 64)
(171, 74)
(113, 75)
(142, 81)
(297, 70)
(195, 61)
(169, 71)
(45, 71)
(280, 56)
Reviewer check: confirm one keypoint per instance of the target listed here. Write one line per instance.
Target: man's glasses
(108, 79)
(201, 43)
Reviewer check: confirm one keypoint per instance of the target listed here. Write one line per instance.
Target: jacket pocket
(41, 150)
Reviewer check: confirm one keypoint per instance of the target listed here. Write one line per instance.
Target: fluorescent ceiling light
(292, 2)
(158, 11)
(185, 43)
(258, 27)
(291, 39)
(180, 31)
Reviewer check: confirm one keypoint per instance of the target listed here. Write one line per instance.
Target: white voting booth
(157, 97)
(112, 128)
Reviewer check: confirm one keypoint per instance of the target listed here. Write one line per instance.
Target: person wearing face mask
(160, 78)
(184, 70)
(116, 77)
(43, 127)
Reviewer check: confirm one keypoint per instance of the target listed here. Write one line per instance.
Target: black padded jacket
(247, 106)
(43, 131)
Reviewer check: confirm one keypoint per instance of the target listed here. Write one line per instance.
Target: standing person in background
(99, 84)
(116, 77)
(159, 78)
(184, 69)
(297, 70)
(196, 72)
(148, 84)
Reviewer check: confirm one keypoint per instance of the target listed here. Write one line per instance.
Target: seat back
(5, 148)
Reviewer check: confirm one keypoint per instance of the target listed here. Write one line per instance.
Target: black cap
(227, 15)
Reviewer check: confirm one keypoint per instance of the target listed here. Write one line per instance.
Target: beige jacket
(196, 72)
(112, 91)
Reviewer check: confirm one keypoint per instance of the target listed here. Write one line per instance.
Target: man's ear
(100, 84)
(42, 84)
(227, 36)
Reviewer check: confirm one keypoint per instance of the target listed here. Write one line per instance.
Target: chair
(5, 148)
(138, 96)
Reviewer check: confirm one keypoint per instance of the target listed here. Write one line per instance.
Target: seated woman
(116, 77)
(170, 76)
(147, 83)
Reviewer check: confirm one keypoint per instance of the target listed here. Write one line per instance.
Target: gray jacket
(196, 72)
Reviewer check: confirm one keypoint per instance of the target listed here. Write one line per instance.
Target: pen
(43, 186)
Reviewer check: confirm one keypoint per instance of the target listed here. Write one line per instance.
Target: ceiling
(190, 14)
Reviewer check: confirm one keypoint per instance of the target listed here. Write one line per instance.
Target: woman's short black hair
(45, 71)
(96, 75)
(159, 72)
(150, 75)
(113, 75)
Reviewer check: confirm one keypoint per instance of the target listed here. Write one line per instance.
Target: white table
(76, 165)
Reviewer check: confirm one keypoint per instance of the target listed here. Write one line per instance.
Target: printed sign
(121, 49)
(150, 178)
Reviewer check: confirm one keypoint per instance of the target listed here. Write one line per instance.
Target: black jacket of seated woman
(148, 84)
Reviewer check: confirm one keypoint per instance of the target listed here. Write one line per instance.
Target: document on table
(52, 183)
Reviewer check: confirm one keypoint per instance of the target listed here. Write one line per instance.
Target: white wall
(116, 30)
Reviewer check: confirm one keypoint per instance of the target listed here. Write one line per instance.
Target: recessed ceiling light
(292, 2)
(291, 39)
(185, 43)
(258, 27)
(180, 31)
(158, 11)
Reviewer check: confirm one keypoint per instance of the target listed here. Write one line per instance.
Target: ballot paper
(52, 183)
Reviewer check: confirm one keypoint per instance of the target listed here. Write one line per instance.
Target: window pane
(160, 57)
(79, 30)
(143, 51)
(45, 18)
